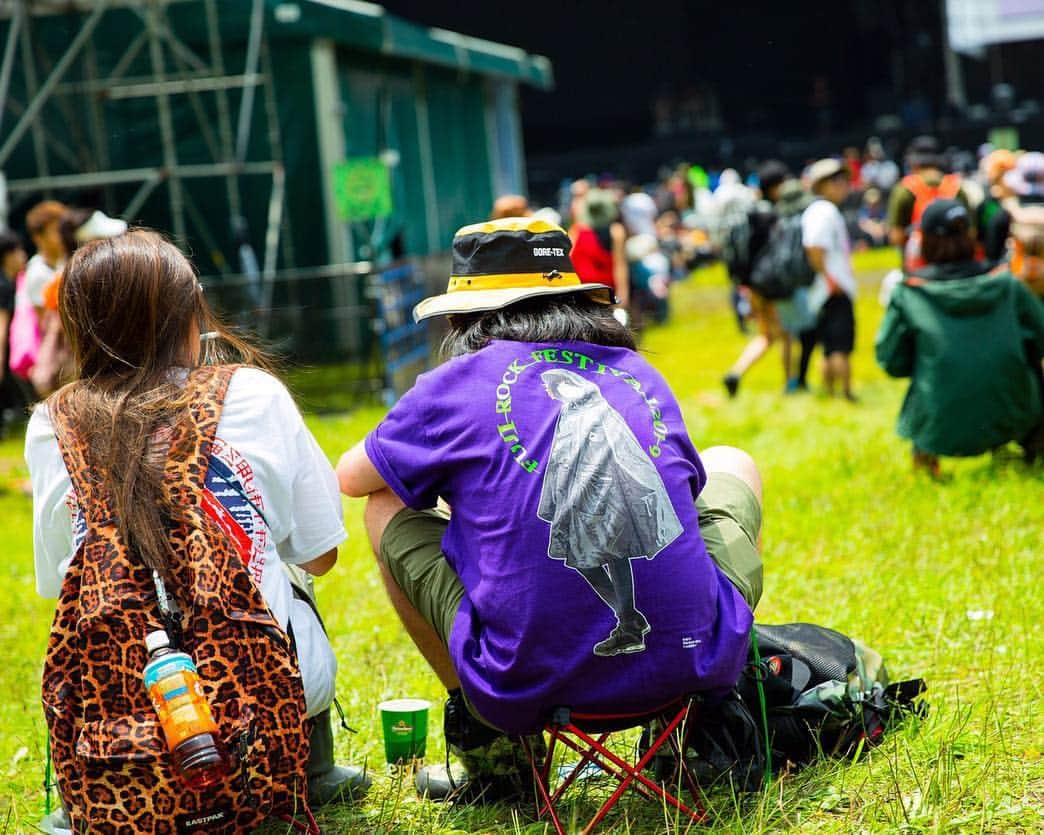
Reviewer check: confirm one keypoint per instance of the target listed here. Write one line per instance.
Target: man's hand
(817, 260)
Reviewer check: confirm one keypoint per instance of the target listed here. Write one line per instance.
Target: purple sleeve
(401, 450)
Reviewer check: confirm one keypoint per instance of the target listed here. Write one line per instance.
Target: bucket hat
(500, 262)
(1026, 179)
(824, 169)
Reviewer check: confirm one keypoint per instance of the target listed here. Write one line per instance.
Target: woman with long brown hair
(139, 324)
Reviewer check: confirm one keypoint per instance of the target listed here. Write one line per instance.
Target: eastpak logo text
(212, 818)
(202, 820)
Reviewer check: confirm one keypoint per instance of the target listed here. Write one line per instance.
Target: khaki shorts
(411, 548)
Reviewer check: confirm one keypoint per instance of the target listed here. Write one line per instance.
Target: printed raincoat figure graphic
(605, 502)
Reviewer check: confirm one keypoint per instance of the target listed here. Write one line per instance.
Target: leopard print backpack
(112, 767)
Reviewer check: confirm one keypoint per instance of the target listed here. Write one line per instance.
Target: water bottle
(192, 736)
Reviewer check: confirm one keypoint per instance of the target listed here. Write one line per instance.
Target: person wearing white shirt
(43, 222)
(269, 485)
(825, 238)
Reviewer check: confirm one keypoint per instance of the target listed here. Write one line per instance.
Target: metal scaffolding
(78, 156)
(166, 112)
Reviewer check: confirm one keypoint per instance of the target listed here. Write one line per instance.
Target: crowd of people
(624, 568)
(786, 237)
(985, 228)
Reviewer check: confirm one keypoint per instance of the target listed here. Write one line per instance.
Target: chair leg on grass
(634, 773)
(593, 750)
(540, 776)
(309, 825)
(686, 773)
(586, 756)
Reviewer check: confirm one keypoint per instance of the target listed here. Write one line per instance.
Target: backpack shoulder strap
(916, 186)
(923, 195)
(191, 444)
(214, 569)
(91, 495)
(950, 187)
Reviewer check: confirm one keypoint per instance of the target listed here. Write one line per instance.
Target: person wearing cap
(77, 227)
(591, 557)
(971, 341)
(927, 181)
(825, 236)
(1025, 210)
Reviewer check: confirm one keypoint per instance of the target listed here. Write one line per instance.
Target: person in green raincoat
(971, 340)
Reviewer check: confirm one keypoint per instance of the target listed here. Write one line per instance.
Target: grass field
(943, 579)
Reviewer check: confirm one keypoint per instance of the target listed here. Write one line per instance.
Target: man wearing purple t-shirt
(590, 558)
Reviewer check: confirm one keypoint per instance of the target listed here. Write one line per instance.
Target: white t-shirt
(38, 274)
(822, 225)
(263, 447)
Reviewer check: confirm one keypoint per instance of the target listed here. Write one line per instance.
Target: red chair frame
(309, 825)
(587, 735)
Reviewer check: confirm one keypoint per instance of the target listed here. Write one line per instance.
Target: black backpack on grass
(824, 694)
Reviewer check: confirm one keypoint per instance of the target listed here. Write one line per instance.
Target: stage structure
(294, 149)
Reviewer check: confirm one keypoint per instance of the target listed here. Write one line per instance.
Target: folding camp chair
(588, 734)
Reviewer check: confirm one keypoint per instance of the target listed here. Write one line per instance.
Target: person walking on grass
(761, 220)
(134, 313)
(971, 343)
(545, 529)
(833, 291)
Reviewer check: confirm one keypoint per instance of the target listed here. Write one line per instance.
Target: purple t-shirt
(572, 481)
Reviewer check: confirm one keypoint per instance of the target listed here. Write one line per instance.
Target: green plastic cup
(405, 725)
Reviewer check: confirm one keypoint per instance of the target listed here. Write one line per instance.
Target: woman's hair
(958, 245)
(43, 215)
(575, 317)
(130, 306)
